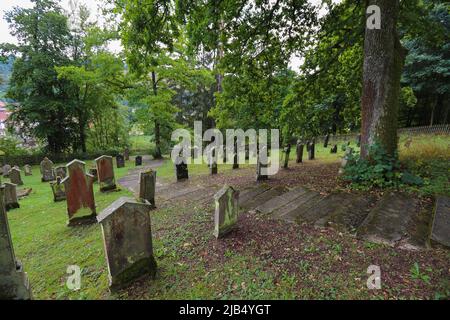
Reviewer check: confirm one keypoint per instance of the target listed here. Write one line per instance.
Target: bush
(11, 147)
(379, 170)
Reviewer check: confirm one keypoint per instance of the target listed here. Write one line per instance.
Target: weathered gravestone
(325, 140)
(126, 154)
(59, 194)
(299, 151)
(120, 161)
(6, 168)
(79, 194)
(93, 172)
(312, 150)
(105, 171)
(348, 151)
(227, 210)
(15, 176)
(14, 283)
(11, 201)
(287, 152)
(213, 161)
(47, 170)
(262, 164)
(138, 161)
(27, 170)
(147, 185)
(127, 239)
(181, 168)
(61, 171)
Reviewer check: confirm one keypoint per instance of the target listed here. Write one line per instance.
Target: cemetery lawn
(261, 259)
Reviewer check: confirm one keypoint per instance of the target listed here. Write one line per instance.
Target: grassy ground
(261, 259)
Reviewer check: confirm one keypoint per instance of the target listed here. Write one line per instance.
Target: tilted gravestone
(334, 149)
(181, 169)
(299, 151)
(15, 176)
(127, 238)
(312, 150)
(79, 194)
(11, 201)
(5, 170)
(120, 161)
(14, 283)
(262, 164)
(47, 170)
(138, 161)
(105, 171)
(126, 154)
(27, 170)
(147, 185)
(325, 140)
(213, 161)
(227, 210)
(287, 152)
(61, 172)
(59, 194)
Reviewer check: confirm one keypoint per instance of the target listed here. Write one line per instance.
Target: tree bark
(157, 154)
(383, 63)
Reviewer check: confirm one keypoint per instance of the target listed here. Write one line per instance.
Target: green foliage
(9, 146)
(379, 170)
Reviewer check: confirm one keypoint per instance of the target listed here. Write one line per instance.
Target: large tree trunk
(158, 153)
(383, 63)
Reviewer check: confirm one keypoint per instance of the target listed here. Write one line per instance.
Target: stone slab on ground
(388, 222)
(263, 197)
(280, 201)
(287, 212)
(248, 194)
(440, 231)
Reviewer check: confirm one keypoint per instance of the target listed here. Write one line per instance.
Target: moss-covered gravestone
(11, 201)
(105, 171)
(227, 210)
(13, 280)
(47, 172)
(147, 185)
(299, 151)
(127, 241)
(59, 194)
(27, 170)
(15, 176)
(5, 170)
(79, 194)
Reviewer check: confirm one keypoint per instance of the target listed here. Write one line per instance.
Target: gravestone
(334, 149)
(344, 161)
(287, 152)
(93, 172)
(15, 176)
(262, 165)
(79, 194)
(47, 170)
(326, 139)
(105, 171)
(120, 161)
(59, 194)
(181, 168)
(235, 155)
(14, 283)
(11, 201)
(5, 170)
(147, 186)
(138, 161)
(61, 171)
(27, 170)
(126, 154)
(213, 161)
(227, 210)
(299, 151)
(312, 150)
(127, 238)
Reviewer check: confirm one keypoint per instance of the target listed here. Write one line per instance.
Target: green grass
(141, 143)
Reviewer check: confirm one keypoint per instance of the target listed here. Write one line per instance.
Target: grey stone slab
(263, 197)
(440, 231)
(280, 201)
(250, 193)
(288, 212)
